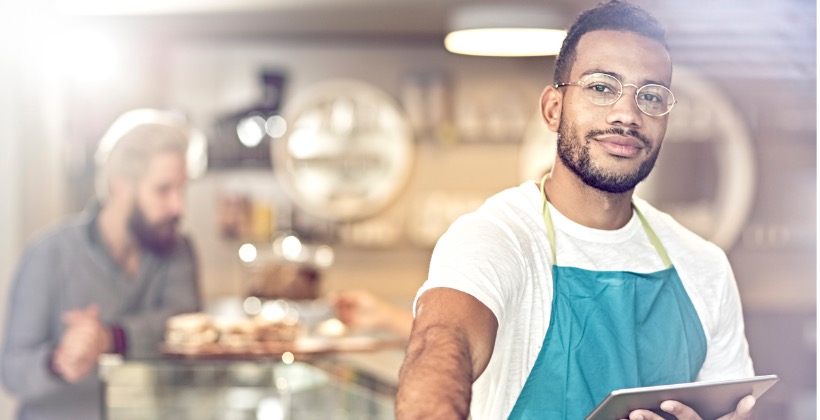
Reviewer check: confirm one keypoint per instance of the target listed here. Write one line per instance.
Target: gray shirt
(69, 268)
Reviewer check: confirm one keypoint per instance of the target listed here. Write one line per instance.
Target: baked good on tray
(199, 334)
(190, 330)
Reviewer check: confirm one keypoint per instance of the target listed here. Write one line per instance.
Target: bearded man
(554, 293)
(106, 280)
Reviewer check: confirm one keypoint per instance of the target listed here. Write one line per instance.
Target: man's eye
(601, 88)
(648, 97)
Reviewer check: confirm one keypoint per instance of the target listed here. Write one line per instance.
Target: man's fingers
(743, 411)
(73, 368)
(681, 411)
(72, 317)
(72, 374)
(643, 415)
(745, 406)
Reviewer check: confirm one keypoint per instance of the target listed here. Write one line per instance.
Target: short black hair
(614, 15)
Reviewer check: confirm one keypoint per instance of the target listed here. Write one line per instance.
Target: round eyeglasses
(604, 89)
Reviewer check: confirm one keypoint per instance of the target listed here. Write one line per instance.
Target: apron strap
(653, 238)
(548, 219)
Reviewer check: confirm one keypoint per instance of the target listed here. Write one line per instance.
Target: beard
(159, 238)
(575, 155)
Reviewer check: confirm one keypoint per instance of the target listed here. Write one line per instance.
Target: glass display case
(235, 390)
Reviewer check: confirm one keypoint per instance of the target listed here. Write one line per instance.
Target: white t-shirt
(500, 254)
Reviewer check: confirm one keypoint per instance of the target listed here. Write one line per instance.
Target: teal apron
(610, 330)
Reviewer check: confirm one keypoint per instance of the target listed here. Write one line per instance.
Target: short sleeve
(480, 257)
(728, 354)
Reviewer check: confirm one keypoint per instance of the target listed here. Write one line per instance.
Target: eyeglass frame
(621, 91)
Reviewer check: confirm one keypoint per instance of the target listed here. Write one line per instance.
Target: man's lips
(617, 145)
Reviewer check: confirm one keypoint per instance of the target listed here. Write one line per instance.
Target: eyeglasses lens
(601, 89)
(654, 99)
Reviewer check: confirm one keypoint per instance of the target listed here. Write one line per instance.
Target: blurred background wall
(206, 61)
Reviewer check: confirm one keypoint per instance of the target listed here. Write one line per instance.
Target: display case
(270, 389)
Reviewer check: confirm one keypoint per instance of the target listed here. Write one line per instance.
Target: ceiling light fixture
(505, 30)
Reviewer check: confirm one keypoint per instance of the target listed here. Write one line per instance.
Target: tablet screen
(709, 399)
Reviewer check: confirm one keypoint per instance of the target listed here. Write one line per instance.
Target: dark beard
(575, 156)
(153, 237)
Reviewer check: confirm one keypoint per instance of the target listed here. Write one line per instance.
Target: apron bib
(610, 330)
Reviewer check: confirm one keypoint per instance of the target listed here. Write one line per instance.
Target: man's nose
(625, 110)
(177, 203)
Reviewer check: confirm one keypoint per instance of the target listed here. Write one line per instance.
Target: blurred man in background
(106, 280)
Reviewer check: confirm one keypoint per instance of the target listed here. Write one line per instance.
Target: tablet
(709, 399)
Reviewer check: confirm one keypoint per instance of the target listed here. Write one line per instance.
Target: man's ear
(551, 102)
(120, 188)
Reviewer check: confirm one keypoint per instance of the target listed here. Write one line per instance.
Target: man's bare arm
(450, 346)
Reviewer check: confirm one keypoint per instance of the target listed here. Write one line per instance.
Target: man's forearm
(436, 378)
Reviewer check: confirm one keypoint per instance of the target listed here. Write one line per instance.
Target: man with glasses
(552, 294)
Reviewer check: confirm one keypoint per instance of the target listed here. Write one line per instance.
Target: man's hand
(83, 342)
(362, 309)
(743, 411)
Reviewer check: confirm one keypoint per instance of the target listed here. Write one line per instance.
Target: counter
(239, 389)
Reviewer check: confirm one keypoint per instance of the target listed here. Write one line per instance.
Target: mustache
(618, 131)
(170, 222)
